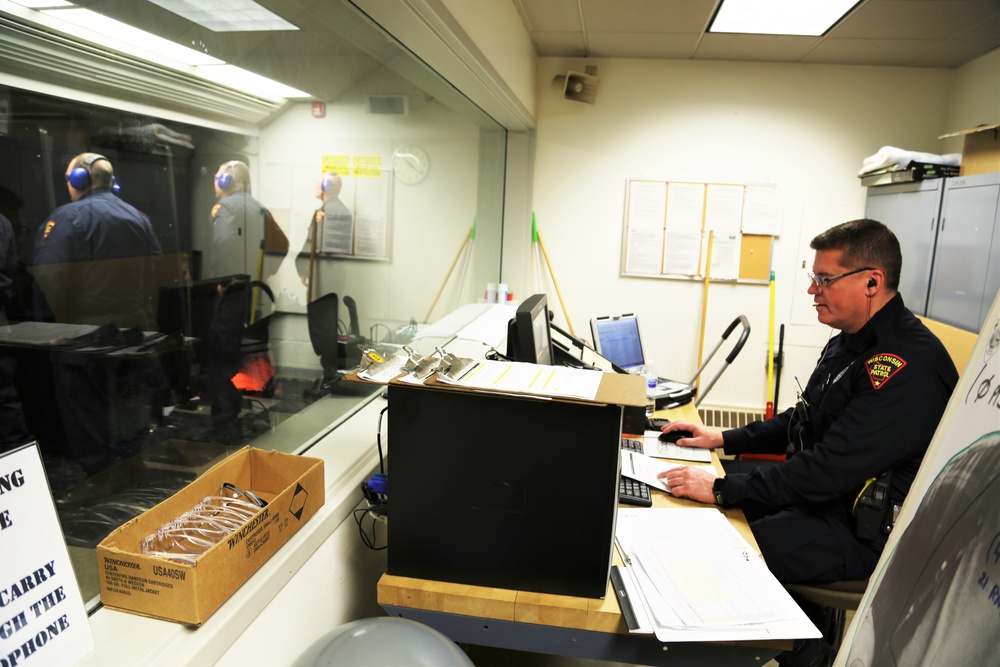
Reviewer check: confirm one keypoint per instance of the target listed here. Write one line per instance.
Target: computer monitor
(528, 337)
(617, 338)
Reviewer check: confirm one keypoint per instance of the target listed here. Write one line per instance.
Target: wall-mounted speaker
(577, 86)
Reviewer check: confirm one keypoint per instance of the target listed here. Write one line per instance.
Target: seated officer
(868, 411)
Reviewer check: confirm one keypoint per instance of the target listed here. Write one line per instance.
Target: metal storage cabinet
(911, 211)
(966, 273)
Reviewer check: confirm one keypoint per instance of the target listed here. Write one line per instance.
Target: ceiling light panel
(111, 33)
(227, 15)
(780, 17)
(42, 4)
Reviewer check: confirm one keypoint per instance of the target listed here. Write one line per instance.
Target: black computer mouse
(674, 436)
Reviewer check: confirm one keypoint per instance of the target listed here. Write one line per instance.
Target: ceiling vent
(388, 105)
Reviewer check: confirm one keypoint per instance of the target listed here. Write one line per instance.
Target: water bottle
(650, 374)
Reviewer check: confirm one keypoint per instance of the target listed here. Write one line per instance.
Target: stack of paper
(536, 379)
(690, 576)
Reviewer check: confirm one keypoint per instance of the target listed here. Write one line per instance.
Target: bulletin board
(367, 194)
(667, 226)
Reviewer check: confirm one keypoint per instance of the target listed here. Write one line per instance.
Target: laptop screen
(617, 338)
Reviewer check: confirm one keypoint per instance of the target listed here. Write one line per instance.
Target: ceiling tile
(641, 45)
(560, 44)
(673, 16)
(915, 19)
(988, 30)
(919, 33)
(953, 53)
(892, 52)
(771, 48)
(551, 16)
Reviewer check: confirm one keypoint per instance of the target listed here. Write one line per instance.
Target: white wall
(804, 128)
(974, 97)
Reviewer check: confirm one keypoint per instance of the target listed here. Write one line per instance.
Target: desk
(562, 625)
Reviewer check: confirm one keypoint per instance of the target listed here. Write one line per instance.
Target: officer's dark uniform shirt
(91, 262)
(872, 404)
(233, 217)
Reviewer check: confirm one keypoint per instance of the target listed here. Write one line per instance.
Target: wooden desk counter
(466, 609)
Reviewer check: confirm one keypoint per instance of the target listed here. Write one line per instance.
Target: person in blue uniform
(857, 435)
(91, 255)
(92, 265)
(238, 222)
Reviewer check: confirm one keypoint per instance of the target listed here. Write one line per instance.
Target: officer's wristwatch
(717, 490)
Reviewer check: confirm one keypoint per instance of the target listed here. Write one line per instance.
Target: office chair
(350, 354)
(382, 641)
(322, 316)
(836, 598)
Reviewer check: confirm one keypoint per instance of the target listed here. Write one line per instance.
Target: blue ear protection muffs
(79, 178)
(225, 179)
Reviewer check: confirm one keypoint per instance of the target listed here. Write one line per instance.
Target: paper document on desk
(645, 468)
(699, 580)
(653, 446)
(523, 378)
(391, 368)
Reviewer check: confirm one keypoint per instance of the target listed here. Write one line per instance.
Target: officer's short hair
(864, 242)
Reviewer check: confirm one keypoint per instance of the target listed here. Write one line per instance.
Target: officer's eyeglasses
(826, 281)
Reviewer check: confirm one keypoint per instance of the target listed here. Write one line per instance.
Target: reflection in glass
(264, 238)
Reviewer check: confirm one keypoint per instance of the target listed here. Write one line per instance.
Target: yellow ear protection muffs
(225, 179)
(79, 178)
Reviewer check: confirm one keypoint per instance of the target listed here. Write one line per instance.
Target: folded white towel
(888, 156)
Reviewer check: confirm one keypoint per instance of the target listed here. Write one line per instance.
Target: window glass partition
(262, 202)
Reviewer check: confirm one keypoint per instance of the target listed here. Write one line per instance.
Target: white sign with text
(43, 620)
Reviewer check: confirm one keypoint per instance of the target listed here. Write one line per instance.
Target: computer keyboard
(631, 491)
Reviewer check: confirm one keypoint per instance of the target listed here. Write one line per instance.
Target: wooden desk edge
(596, 615)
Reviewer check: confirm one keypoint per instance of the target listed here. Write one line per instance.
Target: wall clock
(410, 164)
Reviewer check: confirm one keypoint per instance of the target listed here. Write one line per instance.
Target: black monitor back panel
(501, 491)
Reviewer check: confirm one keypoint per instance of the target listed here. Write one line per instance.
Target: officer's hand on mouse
(688, 434)
(674, 436)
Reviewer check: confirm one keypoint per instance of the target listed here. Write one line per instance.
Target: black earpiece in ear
(871, 282)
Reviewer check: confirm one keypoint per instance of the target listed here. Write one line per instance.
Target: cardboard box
(981, 151)
(504, 490)
(190, 593)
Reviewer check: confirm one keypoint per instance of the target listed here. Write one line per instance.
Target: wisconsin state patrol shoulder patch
(882, 367)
